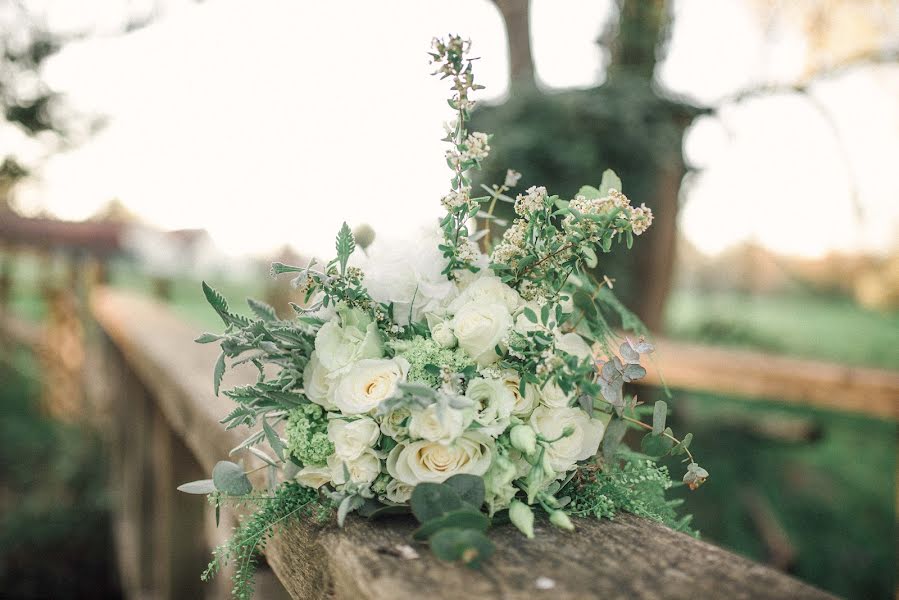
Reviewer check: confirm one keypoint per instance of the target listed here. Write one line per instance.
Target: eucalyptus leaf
(612, 439)
(230, 478)
(659, 414)
(470, 488)
(460, 519)
(201, 486)
(470, 546)
(655, 445)
(432, 500)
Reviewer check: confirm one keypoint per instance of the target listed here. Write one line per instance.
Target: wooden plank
(873, 392)
(627, 558)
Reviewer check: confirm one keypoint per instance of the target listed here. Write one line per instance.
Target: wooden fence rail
(159, 388)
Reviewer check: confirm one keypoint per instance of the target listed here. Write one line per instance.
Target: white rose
(394, 423)
(399, 492)
(425, 461)
(487, 289)
(314, 477)
(431, 425)
(524, 405)
(552, 396)
(352, 438)
(480, 328)
(494, 402)
(368, 383)
(574, 344)
(580, 445)
(442, 333)
(409, 274)
(363, 470)
(338, 348)
(318, 386)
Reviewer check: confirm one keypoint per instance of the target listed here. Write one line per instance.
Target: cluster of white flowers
(476, 147)
(532, 200)
(639, 218)
(351, 374)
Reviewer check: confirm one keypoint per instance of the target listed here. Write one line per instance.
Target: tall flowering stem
(468, 150)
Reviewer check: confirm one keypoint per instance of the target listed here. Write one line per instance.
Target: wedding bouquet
(458, 379)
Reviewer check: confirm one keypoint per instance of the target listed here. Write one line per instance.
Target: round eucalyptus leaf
(655, 445)
(470, 546)
(229, 478)
(460, 519)
(469, 487)
(432, 500)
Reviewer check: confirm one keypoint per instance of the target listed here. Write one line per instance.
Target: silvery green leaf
(201, 486)
(290, 470)
(628, 353)
(218, 373)
(274, 440)
(348, 505)
(633, 373)
(262, 455)
(207, 338)
(230, 478)
(659, 414)
(262, 310)
(610, 181)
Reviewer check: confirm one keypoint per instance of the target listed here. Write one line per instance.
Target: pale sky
(272, 121)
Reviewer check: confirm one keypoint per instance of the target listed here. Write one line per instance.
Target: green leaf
(345, 244)
(590, 257)
(218, 373)
(372, 509)
(469, 487)
(201, 486)
(229, 478)
(681, 447)
(217, 301)
(432, 500)
(589, 192)
(612, 439)
(609, 181)
(655, 445)
(530, 315)
(262, 310)
(659, 414)
(460, 519)
(207, 338)
(274, 440)
(467, 545)
(263, 456)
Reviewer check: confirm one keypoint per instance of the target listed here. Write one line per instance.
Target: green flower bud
(524, 439)
(560, 519)
(522, 517)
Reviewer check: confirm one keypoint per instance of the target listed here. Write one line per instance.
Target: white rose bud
(352, 438)
(368, 383)
(314, 477)
(522, 517)
(425, 461)
(560, 519)
(443, 334)
(363, 470)
(480, 328)
(524, 439)
(399, 492)
(431, 425)
(578, 435)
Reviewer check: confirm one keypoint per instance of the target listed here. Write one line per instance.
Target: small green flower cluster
(421, 352)
(307, 435)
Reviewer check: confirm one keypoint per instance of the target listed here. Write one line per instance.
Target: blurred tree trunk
(516, 14)
(642, 28)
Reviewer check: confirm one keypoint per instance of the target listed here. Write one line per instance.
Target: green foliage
(307, 435)
(451, 519)
(345, 246)
(639, 487)
(289, 501)
(230, 479)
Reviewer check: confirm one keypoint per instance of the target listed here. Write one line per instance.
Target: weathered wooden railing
(158, 389)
